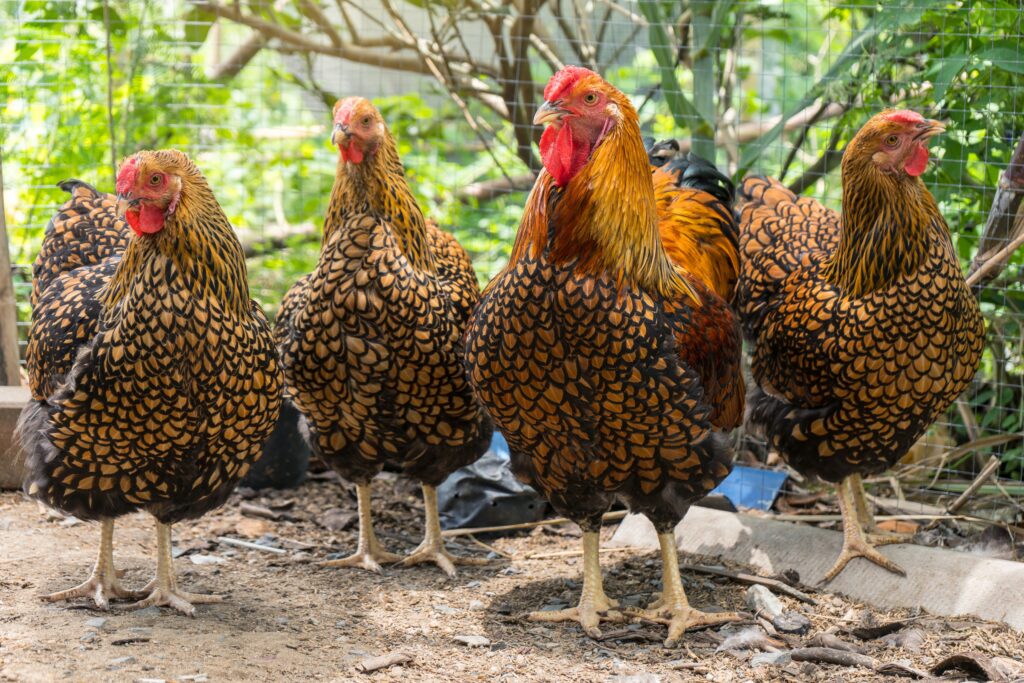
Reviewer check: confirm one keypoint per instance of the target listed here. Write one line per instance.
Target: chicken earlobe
(369, 555)
(594, 605)
(163, 590)
(103, 584)
(432, 548)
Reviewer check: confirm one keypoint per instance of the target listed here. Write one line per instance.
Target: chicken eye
(154, 179)
(892, 140)
(366, 120)
(590, 98)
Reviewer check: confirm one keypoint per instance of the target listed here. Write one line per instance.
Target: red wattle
(563, 155)
(145, 221)
(918, 161)
(351, 153)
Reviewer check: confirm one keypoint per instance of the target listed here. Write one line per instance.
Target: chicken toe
(369, 554)
(103, 584)
(594, 606)
(163, 591)
(855, 542)
(432, 548)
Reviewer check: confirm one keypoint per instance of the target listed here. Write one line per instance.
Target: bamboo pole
(9, 375)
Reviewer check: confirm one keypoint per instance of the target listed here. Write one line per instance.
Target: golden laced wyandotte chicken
(605, 351)
(371, 340)
(154, 377)
(863, 330)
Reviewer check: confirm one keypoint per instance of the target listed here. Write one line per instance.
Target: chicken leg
(672, 607)
(594, 605)
(103, 584)
(432, 548)
(855, 542)
(163, 590)
(369, 555)
(875, 534)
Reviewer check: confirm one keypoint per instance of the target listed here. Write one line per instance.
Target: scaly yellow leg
(855, 544)
(672, 608)
(594, 605)
(102, 585)
(163, 590)
(874, 534)
(432, 548)
(369, 555)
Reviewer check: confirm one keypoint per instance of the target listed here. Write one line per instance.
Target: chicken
(371, 340)
(612, 369)
(862, 328)
(154, 377)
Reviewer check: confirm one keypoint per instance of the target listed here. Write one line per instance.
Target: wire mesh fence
(776, 87)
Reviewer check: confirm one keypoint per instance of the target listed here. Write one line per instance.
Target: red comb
(343, 109)
(905, 116)
(564, 79)
(127, 176)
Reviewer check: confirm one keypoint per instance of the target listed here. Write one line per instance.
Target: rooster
(154, 377)
(371, 340)
(605, 351)
(863, 329)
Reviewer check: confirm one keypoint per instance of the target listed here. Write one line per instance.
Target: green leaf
(949, 69)
(1005, 58)
(197, 25)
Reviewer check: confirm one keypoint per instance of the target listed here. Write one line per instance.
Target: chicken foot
(594, 605)
(875, 535)
(432, 548)
(672, 608)
(369, 554)
(855, 542)
(163, 590)
(103, 584)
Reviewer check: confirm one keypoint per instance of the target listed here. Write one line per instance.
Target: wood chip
(130, 641)
(253, 510)
(372, 664)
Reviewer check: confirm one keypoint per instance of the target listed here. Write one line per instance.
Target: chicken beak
(549, 112)
(931, 128)
(339, 136)
(125, 202)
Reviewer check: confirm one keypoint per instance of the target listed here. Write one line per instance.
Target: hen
(371, 340)
(863, 329)
(609, 364)
(154, 377)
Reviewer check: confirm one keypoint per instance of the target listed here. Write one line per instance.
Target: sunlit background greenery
(260, 135)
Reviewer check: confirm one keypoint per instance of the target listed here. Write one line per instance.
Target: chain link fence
(777, 87)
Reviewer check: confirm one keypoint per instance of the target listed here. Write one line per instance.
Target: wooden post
(9, 374)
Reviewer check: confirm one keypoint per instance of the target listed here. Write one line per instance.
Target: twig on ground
(574, 553)
(607, 517)
(383, 662)
(490, 548)
(743, 577)
(227, 540)
(252, 510)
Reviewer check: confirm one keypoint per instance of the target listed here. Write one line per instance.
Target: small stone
(121, 661)
(340, 623)
(148, 612)
(206, 559)
(89, 637)
(472, 641)
(791, 622)
(70, 521)
(762, 602)
(445, 609)
(337, 519)
(771, 659)
(472, 584)
(282, 621)
(97, 622)
(477, 606)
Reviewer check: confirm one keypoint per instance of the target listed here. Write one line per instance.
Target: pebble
(121, 661)
(472, 584)
(89, 637)
(770, 658)
(97, 622)
(791, 622)
(472, 641)
(148, 612)
(445, 609)
(282, 621)
(763, 602)
(477, 606)
(206, 559)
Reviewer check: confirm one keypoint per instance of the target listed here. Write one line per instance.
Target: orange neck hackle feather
(198, 239)
(380, 180)
(886, 225)
(605, 219)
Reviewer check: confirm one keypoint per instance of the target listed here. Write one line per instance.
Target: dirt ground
(287, 619)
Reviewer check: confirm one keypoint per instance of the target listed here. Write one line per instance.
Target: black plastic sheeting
(285, 455)
(486, 493)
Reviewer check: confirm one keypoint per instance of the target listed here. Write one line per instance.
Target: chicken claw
(432, 548)
(102, 585)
